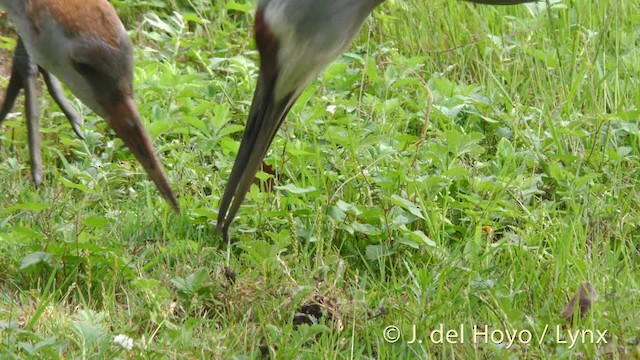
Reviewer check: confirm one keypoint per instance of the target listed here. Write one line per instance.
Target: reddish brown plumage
(268, 45)
(89, 17)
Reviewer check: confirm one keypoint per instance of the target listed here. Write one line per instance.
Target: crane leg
(24, 75)
(55, 90)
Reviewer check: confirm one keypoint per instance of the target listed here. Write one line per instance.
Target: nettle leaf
(556, 171)
(456, 172)
(407, 205)
(377, 252)
(346, 207)
(401, 219)
(505, 148)
(155, 21)
(35, 258)
(340, 210)
(96, 221)
(462, 144)
(160, 127)
(420, 236)
(203, 212)
(410, 243)
(220, 117)
(191, 17)
(450, 112)
(296, 190)
(365, 229)
(35, 207)
(71, 185)
(244, 8)
(192, 284)
(28, 234)
(336, 213)
(88, 332)
(624, 151)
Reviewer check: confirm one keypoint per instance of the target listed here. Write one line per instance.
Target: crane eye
(84, 69)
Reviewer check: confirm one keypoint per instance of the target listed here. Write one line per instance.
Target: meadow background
(459, 165)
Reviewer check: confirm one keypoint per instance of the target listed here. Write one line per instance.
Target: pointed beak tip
(125, 120)
(265, 117)
(174, 205)
(223, 229)
(37, 181)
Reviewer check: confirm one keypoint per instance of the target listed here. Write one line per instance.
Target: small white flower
(123, 341)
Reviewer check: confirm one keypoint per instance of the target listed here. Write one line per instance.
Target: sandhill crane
(296, 39)
(85, 45)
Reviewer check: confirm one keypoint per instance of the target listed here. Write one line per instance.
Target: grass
(459, 166)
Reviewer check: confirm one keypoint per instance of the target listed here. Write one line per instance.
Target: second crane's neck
(313, 16)
(327, 25)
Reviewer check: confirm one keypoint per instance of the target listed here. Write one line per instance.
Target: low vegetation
(462, 168)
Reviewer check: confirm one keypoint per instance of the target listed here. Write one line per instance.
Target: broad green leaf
(35, 207)
(376, 252)
(407, 205)
(96, 221)
(296, 190)
(35, 258)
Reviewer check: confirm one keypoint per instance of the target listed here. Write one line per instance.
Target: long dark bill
(125, 120)
(265, 117)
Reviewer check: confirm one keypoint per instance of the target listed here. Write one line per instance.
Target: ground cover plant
(461, 168)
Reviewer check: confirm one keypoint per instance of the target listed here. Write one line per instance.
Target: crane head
(84, 44)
